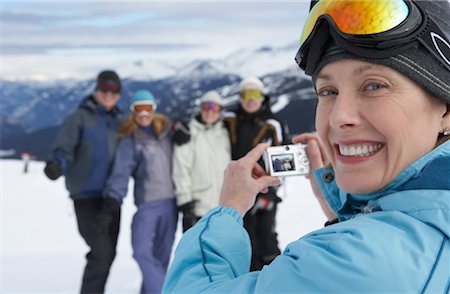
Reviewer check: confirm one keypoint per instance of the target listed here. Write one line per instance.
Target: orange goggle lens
(358, 17)
(143, 107)
(251, 95)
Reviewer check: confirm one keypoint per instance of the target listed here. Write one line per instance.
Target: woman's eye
(375, 86)
(326, 92)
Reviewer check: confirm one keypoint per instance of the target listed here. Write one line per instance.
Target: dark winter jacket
(146, 155)
(249, 129)
(85, 148)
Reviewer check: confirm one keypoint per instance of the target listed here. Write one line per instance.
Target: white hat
(251, 83)
(212, 96)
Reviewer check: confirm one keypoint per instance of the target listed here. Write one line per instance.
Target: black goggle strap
(435, 41)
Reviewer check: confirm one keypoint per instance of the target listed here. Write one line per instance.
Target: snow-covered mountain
(244, 62)
(32, 110)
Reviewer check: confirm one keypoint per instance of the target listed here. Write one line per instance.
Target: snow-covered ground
(42, 252)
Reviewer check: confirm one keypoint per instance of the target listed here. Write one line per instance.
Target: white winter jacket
(199, 165)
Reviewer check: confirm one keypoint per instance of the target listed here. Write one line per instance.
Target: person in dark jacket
(253, 122)
(145, 153)
(83, 153)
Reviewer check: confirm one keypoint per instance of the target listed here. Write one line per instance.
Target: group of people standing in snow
(176, 167)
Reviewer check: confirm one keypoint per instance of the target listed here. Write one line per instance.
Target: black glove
(189, 217)
(53, 170)
(188, 207)
(181, 133)
(189, 220)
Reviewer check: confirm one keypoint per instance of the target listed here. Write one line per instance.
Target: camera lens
(287, 148)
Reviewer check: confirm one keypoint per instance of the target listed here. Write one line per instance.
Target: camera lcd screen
(283, 162)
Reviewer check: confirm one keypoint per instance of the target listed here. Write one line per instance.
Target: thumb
(315, 155)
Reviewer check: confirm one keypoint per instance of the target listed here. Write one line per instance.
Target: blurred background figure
(26, 157)
(200, 163)
(83, 152)
(145, 153)
(251, 123)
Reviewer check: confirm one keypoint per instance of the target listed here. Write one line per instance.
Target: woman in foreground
(383, 123)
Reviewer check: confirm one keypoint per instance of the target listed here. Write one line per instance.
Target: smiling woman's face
(374, 122)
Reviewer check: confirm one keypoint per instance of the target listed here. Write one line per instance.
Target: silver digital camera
(286, 160)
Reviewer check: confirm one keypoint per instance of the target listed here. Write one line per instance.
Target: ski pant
(260, 225)
(153, 233)
(98, 223)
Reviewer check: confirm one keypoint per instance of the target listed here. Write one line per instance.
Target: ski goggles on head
(210, 106)
(251, 95)
(370, 29)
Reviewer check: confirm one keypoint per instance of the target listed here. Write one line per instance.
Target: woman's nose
(345, 112)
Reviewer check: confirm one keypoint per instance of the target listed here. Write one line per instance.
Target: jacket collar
(198, 124)
(90, 104)
(430, 172)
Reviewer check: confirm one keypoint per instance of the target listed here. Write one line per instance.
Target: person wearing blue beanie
(145, 153)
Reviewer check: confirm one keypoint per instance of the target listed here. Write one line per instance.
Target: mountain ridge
(32, 109)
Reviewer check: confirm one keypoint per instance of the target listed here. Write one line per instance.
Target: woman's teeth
(359, 150)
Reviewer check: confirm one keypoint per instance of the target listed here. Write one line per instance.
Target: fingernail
(314, 144)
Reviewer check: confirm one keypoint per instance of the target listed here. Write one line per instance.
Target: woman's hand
(317, 159)
(244, 179)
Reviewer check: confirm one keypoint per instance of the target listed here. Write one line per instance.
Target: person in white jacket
(199, 164)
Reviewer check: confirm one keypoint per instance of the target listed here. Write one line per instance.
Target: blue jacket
(394, 240)
(85, 147)
(147, 157)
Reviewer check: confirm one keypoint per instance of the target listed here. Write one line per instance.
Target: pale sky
(60, 39)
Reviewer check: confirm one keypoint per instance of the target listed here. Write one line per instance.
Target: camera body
(286, 160)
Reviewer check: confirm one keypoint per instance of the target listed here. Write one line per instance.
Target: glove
(53, 170)
(189, 220)
(181, 133)
(189, 217)
(188, 207)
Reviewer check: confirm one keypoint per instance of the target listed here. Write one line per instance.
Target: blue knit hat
(142, 97)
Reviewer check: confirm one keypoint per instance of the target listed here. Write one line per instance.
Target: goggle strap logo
(434, 38)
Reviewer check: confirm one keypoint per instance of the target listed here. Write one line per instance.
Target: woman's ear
(446, 119)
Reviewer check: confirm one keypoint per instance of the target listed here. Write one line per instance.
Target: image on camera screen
(283, 162)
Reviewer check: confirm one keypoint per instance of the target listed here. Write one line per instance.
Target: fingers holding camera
(314, 150)
(243, 180)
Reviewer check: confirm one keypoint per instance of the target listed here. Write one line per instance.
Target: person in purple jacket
(145, 153)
